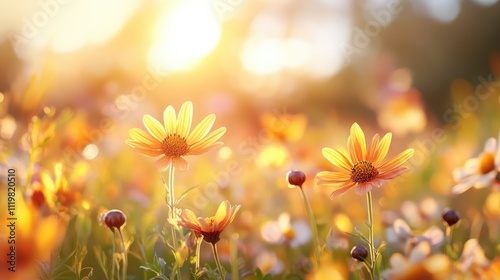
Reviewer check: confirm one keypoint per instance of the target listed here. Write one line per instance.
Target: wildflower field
(264, 140)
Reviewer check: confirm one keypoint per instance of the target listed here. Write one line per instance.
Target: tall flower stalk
(361, 168)
(171, 142)
(297, 178)
(371, 248)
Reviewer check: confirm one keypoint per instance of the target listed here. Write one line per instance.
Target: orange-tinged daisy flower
(210, 227)
(174, 140)
(481, 171)
(362, 167)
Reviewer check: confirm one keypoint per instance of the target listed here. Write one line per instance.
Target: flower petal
(222, 215)
(342, 190)
(148, 152)
(393, 173)
(485, 180)
(141, 136)
(363, 188)
(211, 138)
(163, 163)
(154, 127)
(142, 145)
(333, 176)
(470, 167)
(490, 145)
(169, 120)
(201, 130)
(189, 220)
(382, 149)
(205, 149)
(180, 164)
(336, 158)
(497, 154)
(373, 148)
(464, 185)
(351, 148)
(396, 161)
(359, 142)
(184, 119)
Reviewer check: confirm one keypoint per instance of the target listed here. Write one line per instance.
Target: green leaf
(261, 276)
(185, 193)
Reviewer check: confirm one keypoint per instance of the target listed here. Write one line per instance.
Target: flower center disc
(174, 146)
(363, 171)
(487, 163)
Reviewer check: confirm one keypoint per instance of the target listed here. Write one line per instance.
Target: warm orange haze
(238, 139)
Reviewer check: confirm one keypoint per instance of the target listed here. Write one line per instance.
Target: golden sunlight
(184, 36)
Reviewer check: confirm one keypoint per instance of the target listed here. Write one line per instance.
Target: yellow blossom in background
(361, 167)
(481, 171)
(173, 140)
(210, 227)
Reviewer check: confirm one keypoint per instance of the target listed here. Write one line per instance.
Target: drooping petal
(359, 142)
(189, 220)
(211, 138)
(163, 163)
(334, 184)
(142, 145)
(393, 173)
(141, 136)
(373, 148)
(464, 185)
(169, 120)
(148, 152)
(154, 127)
(184, 119)
(205, 149)
(342, 190)
(396, 161)
(336, 158)
(363, 188)
(382, 149)
(333, 176)
(485, 180)
(180, 163)
(201, 130)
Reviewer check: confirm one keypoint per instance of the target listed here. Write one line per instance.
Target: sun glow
(184, 36)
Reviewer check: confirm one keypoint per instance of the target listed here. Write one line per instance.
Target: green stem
(314, 229)
(449, 243)
(198, 250)
(370, 236)
(173, 212)
(217, 262)
(124, 252)
(113, 256)
(235, 274)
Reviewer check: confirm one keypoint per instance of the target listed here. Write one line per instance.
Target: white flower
(479, 172)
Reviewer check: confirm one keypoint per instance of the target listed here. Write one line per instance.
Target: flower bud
(359, 253)
(451, 217)
(114, 219)
(296, 178)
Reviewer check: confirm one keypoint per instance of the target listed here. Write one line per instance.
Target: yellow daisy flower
(361, 167)
(174, 140)
(211, 227)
